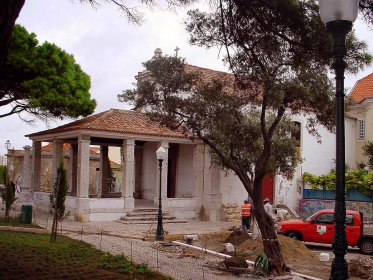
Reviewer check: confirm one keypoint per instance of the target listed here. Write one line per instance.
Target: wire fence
(165, 257)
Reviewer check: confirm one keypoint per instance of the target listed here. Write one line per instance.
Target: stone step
(140, 214)
(146, 218)
(149, 209)
(148, 222)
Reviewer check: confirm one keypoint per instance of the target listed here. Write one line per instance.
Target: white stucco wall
(350, 140)
(318, 158)
(149, 176)
(185, 177)
(231, 188)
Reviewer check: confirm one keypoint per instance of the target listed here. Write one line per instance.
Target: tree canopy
(43, 80)
(279, 53)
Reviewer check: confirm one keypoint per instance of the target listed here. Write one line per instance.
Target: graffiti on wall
(314, 205)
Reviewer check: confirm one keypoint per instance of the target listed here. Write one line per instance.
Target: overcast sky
(110, 50)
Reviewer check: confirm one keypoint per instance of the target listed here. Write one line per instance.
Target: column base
(82, 208)
(129, 204)
(25, 196)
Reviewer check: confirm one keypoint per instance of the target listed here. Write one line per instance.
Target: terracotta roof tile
(67, 147)
(363, 89)
(116, 120)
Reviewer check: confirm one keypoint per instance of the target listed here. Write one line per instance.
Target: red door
(267, 187)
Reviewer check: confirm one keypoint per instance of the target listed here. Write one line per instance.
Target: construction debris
(361, 268)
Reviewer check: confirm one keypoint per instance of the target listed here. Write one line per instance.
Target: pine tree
(58, 197)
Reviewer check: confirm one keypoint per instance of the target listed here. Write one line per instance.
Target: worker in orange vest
(246, 211)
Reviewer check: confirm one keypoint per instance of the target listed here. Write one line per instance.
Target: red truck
(320, 228)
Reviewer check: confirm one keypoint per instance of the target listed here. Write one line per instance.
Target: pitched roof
(363, 89)
(116, 120)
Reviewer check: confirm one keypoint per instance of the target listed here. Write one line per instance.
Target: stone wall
(310, 206)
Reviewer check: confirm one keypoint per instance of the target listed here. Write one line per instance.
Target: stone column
(165, 170)
(57, 155)
(128, 173)
(73, 169)
(198, 178)
(36, 165)
(82, 200)
(211, 197)
(198, 169)
(83, 166)
(104, 170)
(25, 195)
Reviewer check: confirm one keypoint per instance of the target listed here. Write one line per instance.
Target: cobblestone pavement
(166, 259)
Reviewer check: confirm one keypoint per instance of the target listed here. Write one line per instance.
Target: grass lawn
(16, 222)
(32, 256)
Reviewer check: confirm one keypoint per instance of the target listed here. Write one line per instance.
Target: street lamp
(7, 144)
(338, 16)
(161, 155)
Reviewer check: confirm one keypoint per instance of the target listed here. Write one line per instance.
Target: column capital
(27, 147)
(164, 144)
(84, 137)
(129, 142)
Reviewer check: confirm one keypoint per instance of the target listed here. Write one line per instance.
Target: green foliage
(226, 122)
(358, 179)
(2, 173)
(16, 222)
(111, 178)
(283, 46)
(57, 198)
(279, 53)
(43, 79)
(58, 195)
(368, 152)
(38, 258)
(121, 262)
(261, 263)
(143, 269)
(7, 194)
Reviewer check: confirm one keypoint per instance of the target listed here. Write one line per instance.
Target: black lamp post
(161, 155)
(338, 15)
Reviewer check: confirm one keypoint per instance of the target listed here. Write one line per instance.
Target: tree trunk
(6, 215)
(272, 247)
(9, 11)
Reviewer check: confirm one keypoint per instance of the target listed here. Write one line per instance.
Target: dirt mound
(297, 256)
(361, 268)
(237, 237)
(292, 249)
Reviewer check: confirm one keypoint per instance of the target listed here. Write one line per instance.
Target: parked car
(320, 228)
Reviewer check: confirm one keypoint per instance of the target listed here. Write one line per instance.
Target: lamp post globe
(161, 156)
(338, 16)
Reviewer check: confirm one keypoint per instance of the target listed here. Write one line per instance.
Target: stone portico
(187, 175)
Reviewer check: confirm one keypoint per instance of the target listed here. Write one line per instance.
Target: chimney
(157, 52)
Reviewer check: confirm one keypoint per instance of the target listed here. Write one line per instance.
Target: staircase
(148, 216)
